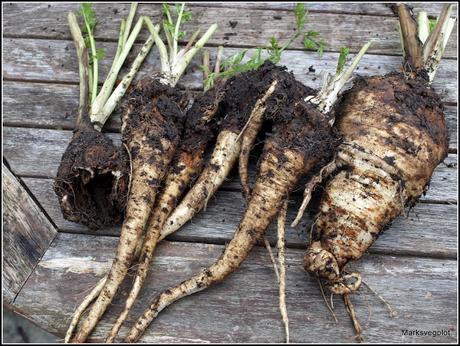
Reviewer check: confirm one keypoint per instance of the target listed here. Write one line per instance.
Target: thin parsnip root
(151, 125)
(282, 267)
(89, 298)
(394, 135)
(288, 154)
(200, 125)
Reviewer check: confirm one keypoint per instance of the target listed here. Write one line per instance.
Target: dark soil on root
(413, 98)
(154, 111)
(203, 120)
(92, 180)
(243, 90)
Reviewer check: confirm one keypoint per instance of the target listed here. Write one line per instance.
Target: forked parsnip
(200, 126)
(152, 122)
(301, 141)
(394, 135)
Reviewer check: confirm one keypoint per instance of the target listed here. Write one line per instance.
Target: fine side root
(354, 319)
(309, 188)
(272, 258)
(326, 302)
(91, 297)
(391, 310)
(282, 267)
(83, 306)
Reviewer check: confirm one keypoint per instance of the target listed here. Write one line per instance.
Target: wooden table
(50, 264)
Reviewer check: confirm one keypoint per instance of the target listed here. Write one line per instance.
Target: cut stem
(121, 88)
(129, 21)
(107, 87)
(423, 26)
(120, 43)
(220, 51)
(176, 34)
(180, 66)
(205, 67)
(327, 97)
(409, 32)
(164, 60)
(82, 55)
(437, 41)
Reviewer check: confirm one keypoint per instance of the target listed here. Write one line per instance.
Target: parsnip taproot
(152, 121)
(394, 135)
(200, 126)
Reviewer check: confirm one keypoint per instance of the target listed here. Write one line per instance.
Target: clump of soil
(92, 180)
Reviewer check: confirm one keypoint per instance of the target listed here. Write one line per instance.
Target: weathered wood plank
(244, 308)
(380, 9)
(428, 230)
(22, 147)
(55, 106)
(27, 234)
(55, 61)
(254, 26)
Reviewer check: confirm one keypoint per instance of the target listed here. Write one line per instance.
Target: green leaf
(300, 16)
(100, 53)
(89, 16)
(312, 33)
(166, 11)
(344, 51)
(186, 15)
(309, 43)
(432, 23)
(321, 46)
(234, 59)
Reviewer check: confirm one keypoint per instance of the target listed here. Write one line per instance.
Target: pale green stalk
(437, 40)
(220, 52)
(121, 88)
(164, 61)
(330, 91)
(94, 77)
(120, 41)
(82, 63)
(129, 21)
(180, 66)
(106, 89)
(423, 26)
(176, 34)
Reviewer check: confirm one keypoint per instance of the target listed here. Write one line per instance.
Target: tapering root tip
(354, 319)
(83, 306)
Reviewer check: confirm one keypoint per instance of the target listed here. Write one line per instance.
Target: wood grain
(413, 264)
(378, 9)
(55, 61)
(22, 147)
(47, 105)
(427, 230)
(244, 308)
(27, 233)
(254, 26)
